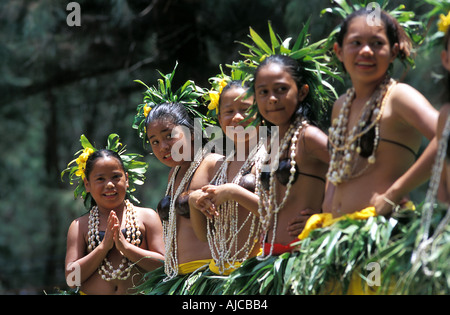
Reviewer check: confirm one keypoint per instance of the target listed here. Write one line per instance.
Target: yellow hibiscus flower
(444, 22)
(81, 161)
(147, 110)
(214, 101)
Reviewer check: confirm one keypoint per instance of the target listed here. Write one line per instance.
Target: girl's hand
(218, 194)
(297, 224)
(113, 225)
(204, 204)
(119, 239)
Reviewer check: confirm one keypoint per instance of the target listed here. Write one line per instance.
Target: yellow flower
(81, 161)
(222, 83)
(444, 22)
(214, 100)
(147, 110)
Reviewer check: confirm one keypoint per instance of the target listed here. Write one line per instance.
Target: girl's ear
(303, 93)
(126, 178)
(338, 51)
(445, 58)
(395, 51)
(86, 185)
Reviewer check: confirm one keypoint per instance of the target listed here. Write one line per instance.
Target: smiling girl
(170, 131)
(224, 211)
(377, 126)
(116, 242)
(295, 189)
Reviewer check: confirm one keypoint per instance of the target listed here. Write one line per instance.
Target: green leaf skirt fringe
(349, 257)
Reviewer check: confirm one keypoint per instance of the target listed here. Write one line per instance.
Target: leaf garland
(188, 95)
(314, 61)
(136, 169)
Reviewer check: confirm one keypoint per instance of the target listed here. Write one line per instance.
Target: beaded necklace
(223, 231)
(106, 270)
(346, 147)
(170, 226)
(423, 253)
(267, 204)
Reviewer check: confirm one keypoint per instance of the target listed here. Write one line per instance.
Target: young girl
(378, 125)
(170, 131)
(110, 248)
(297, 186)
(220, 211)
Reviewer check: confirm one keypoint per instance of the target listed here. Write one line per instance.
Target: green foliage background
(58, 82)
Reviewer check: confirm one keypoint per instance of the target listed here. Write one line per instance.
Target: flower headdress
(188, 95)
(76, 168)
(414, 29)
(312, 58)
(444, 23)
(218, 82)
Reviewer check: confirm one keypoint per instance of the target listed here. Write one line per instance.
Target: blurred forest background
(58, 82)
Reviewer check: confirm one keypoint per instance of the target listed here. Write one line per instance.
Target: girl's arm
(76, 250)
(200, 208)
(229, 191)
(153, 257)
(415, 110)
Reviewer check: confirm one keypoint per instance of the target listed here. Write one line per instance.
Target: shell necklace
(106, 270)
(223, 231)
(267, 205)
(346, 147)
(170, 226)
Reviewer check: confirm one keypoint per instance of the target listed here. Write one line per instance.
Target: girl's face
(232, 112)
(277, 94)
(366, 52)
(168, 142)
(107, 183)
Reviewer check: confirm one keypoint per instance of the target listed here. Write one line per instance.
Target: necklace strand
(106, 270)
(268, 207)
(170, 226)
(347, 148)
(223, 231)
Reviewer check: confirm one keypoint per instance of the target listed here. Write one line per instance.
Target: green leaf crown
(136, 169)
(188, 95)
(313, 59)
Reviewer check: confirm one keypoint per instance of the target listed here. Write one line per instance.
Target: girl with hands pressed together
(116, 242)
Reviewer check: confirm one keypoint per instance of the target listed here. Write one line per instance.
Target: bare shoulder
(147, 213)
(315, 143)
(405, 95)
(338, 105)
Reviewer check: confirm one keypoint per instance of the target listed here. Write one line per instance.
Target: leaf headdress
(76, 168)
(313, 59)
(218, 82)
(413, 28)
(188, 95)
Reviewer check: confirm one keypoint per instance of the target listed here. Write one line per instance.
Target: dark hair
(178, 115)
(174, 112)
(299, 75)
(394, 31)
(101, 154)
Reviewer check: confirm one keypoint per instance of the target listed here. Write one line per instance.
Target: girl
(378, 125)
(170, 131)
(110, 247)
(284, 100)
(233, 232)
